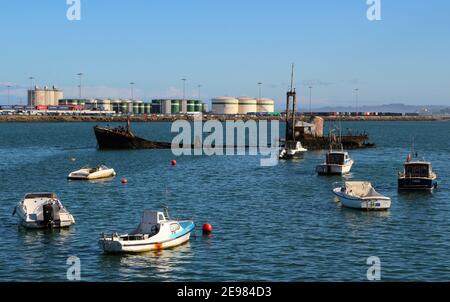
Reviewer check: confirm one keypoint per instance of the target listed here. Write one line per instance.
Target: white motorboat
(336, 163)
(88, 173)
(292, 149)
(43, 210)
(155, 232)
(361, 195)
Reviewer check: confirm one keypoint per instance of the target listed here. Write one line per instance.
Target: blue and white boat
(155, 232)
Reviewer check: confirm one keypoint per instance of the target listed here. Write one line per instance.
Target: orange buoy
(174, 162)
(207, 228)
(124, 181)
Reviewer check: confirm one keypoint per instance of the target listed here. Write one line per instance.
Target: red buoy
(207, 228)
(124, 181)
(174, 162)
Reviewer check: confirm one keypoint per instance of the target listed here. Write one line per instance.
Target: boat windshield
(417, 170)
(41, 195)
(336, 158)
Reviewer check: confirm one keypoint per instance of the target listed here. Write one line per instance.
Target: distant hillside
(397, 108)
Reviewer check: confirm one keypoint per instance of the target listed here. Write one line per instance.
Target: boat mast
(291, 94)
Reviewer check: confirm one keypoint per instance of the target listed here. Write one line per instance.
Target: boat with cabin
(336, 163)
(417, 175)
(155, 232)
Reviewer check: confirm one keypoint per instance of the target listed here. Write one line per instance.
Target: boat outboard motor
(47, 210)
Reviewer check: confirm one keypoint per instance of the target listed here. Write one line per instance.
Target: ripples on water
(276, 223)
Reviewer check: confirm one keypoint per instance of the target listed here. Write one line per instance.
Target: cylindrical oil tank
(156, 106)
(198, 106)
(266, 105)
(183, 106)
(190, 106)
(247, 104)
(166, 107)
(175, 106)
(141, 108)
(116, 106)
(147, 108)
(124, 107)
(204, 107)
(225, 105)
(58, 95)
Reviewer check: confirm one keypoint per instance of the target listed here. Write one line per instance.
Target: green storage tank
(190, 106)
(198, 106)
(176, 107)
(148, 108)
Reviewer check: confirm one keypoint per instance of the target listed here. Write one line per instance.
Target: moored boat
(292, 149)
(155, 232)
(417, 175)
(336, 163)
(89, 173)
(43, 211)
(361, 195)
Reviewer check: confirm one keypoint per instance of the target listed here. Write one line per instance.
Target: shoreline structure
(172, 118)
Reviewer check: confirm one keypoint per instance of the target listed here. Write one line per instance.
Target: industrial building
(44, 96)
(242, 105)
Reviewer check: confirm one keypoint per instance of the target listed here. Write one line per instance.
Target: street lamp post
(199, 92)
(132, 90)
(260, 94)
(79, 85)
(184, 88)
(310, 100)
(8, 86)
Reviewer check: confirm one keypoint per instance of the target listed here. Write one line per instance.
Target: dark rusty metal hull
(112, 139)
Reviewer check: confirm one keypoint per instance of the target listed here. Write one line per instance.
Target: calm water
(271, 224)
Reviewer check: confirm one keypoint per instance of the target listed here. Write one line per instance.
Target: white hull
(329, 169)
(370, 204)
(140, 246)
(83, 175)
(66, 220)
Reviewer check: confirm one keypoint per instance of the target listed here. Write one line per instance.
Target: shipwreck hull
(111, 139)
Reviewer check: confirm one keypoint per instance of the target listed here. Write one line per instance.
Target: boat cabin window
(174, 227)
(161, 217)
(336, 159)
(417, 170)
(41, 195)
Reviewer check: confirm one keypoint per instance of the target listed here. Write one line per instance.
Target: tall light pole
(259, 85)
(132, 90)
(310, 100)
(357, 99)
(199, 92)
(79, 84)
(31, 82)
(184, 88)
(8, 86)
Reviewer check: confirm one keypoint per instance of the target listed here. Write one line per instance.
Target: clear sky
(228, 47)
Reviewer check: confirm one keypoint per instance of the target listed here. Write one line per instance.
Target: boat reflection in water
(160, 265)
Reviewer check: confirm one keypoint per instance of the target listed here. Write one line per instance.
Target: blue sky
(230, 46)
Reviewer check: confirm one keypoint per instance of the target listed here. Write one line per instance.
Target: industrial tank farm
(243, 105)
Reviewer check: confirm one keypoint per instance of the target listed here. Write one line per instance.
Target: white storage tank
(225, 105)
(266, 105)
(166, 107)
(247, 104)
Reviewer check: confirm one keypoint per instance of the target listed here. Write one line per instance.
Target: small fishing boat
(417, 175)
(89, 173)
(155, 232)
(43, 211)
(292, 149)
(336, 163)
(361, 195)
